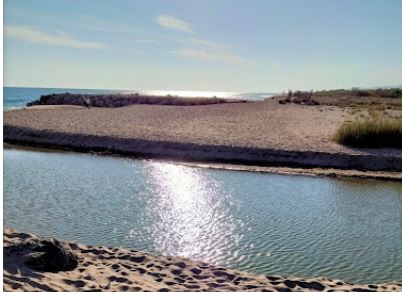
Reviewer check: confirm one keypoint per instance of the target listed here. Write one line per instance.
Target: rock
(297, 100)
(36, 102)
(312, 102)
(51, 255)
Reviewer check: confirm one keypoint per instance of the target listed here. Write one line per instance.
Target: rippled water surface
(263, 223)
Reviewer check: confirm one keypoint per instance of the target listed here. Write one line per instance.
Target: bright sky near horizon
(226, 45)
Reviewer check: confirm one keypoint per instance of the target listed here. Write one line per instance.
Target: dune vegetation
(374, 132)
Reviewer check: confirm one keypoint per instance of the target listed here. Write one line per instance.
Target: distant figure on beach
(86, 102)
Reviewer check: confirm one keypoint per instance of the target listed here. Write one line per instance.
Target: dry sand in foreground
(116, 269)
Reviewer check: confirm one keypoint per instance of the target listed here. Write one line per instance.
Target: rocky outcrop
(119, 100)
(299, 97)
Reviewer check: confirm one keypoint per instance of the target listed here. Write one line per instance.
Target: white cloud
(174, 23)
(34, 35)
(203, 55)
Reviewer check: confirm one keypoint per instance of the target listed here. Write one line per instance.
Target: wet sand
(329, 172)
(117, 269)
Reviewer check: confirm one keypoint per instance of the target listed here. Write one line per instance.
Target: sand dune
(116, 269)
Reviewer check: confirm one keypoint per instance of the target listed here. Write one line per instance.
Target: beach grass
(374, 132)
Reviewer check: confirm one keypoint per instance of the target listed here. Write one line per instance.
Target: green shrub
(374, 133)
(396, 93)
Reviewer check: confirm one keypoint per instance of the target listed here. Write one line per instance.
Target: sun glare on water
(189, 214)
(183, 93)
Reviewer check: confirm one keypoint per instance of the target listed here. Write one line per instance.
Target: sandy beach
(257, 133)
(163, 146)
(116, 269)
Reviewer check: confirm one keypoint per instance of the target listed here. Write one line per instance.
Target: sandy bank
(116, 269)
(312, 171)
(260, 133)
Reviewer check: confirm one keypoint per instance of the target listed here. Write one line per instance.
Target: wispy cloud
(210, 44)
(201, 43)
(145, 41)
(173, 23)
(216, 55)
(35, 35)
(95, 24)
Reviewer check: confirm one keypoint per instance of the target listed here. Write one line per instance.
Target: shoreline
(110, 269)
(281, 170)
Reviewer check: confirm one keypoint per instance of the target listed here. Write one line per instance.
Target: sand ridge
(259, 124)
(258, 133)
(117, 269)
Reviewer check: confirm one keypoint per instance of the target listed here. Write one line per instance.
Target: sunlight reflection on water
(221, 94)
(190, 211)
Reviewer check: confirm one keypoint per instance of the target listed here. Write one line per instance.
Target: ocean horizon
(18, 97)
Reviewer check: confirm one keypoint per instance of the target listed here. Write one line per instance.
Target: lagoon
(263, 223)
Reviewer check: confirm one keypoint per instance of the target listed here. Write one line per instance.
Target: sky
(225, 45)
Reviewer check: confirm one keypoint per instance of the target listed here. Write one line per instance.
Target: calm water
(18, 97)
(274, 224)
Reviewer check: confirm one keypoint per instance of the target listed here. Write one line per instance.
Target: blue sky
(225, 45)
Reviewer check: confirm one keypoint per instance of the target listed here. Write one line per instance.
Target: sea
(18, 97)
